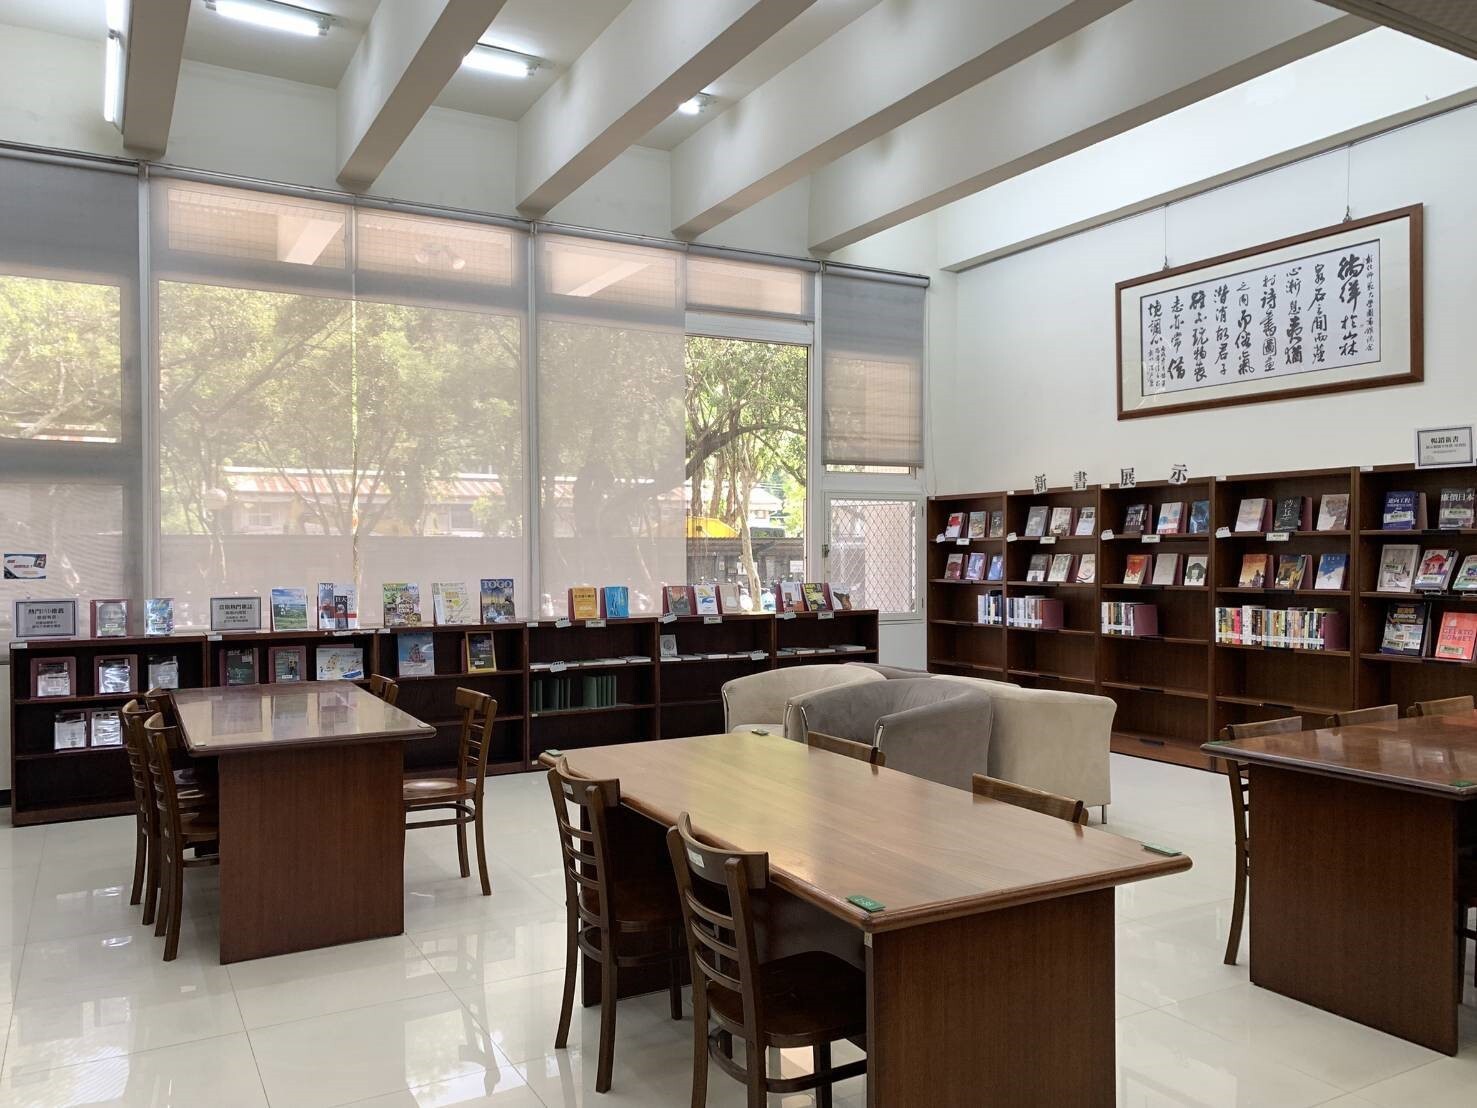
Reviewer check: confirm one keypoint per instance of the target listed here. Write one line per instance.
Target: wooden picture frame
(1221, 362)
(467, 652)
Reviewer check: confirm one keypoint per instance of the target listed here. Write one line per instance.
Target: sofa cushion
(760, 698)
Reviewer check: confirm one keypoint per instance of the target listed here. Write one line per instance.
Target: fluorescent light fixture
(696, 106)
(273, 16)
(113, 79)
(501, 61)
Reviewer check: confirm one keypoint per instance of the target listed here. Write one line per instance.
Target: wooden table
(990, 968)
(312, 827)
(1354, 835)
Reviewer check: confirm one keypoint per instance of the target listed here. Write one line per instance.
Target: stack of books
(1282, 628)
(1039, 613)
(1128, 619)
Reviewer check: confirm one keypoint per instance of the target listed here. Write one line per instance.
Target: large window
(872, 551)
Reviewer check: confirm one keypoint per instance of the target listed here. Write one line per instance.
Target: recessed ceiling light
(486, 58)
(274, 16)
(697, 105)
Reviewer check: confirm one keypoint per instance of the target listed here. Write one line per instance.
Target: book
(668, 644)
(1197, 569)
(705, 599)
(615, 601)
(1457, 509)
(1086, 569)
(974, 568)
(115, 674)
(1292, 513)
(159, 615)
(1404, 511)
(402, 600)
(106, 727)
(1466, 577)
(109, 619)
(1199, 517)
(1291, 569)
(338, 606)
(791, 596)
(1036, 521)
(996, 572)
(1405, 629)
(817, 599)
(953, 569)
(1166, 569)
(841, 598)
(1171, 518)
(979, 524)
(1136, 569)
(955, 527)
(496, 597)
(1397, 568)
(287, 665)
(479, 655)
(1436, 568)
(415, 653)
(1253, 514)
(53, 677)
(451, 603)
(584, 602)
(1135, 519)
(162, 671)
(339, 663)
(997, 525)
(69, 731)
(1333, 512)
(1086, 521)
(1060, 522)
(1331, 571)
(1456, 639)
(1061, 568)
(1036, 571)
(238, 666)
(1256, 571)
(289, 609)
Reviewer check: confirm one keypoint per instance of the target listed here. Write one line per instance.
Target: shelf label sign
(825, 615)
(1436, 447)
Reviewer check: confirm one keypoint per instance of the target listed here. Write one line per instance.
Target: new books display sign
(1337, 308)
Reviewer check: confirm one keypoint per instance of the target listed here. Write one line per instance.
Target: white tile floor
(461, 1010)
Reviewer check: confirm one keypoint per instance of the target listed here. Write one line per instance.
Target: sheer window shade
(751, 288)
(873, 337)
(612, 441)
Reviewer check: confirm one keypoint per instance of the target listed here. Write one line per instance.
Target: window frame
(919, 501)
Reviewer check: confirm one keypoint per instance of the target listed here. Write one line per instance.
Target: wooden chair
(386, 690)
(462, 794)
(1466, 902)
(807, 999)
(862, 752)
(1385, 713)
(177, 831)
(1023, 796)
(619, 921)
(1240, 806)
(1450, 706)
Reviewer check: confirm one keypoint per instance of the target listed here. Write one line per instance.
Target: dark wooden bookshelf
(655, 698)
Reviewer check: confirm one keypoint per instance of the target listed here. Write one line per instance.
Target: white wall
(1034, 391)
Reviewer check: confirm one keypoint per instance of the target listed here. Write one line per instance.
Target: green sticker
(1161, 850)
(866, 903)
(1462, 783)
(552, 753)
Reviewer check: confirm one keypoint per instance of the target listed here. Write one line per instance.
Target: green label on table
(1462, 783)
(866, 903)
(1168, 853)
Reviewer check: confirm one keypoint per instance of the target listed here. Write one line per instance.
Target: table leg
(1353, 901)
(1007, 1007)
(312, 848)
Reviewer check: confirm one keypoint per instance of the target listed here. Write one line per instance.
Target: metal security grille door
(872, 551)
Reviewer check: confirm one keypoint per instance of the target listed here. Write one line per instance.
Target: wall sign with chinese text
(1443, 446)
(1337, 308)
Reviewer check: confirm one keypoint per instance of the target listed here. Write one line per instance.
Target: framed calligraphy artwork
(1334, 309)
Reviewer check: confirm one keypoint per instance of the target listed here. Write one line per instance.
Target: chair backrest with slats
(159, 736)
(850, 748)
(1288, 725)
(581, 807)
(384, 688)
(1035, 800)
(478, 713)
(715, 888)
(136, 745)
(1449, 706)
(1384, 713)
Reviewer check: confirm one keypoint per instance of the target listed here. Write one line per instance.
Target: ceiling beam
(154, 46)
(409, 51)
(1441, 25)
(1143, 61)
(654, 55)
(889, 65)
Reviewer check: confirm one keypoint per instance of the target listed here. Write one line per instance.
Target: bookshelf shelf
(1163, 690)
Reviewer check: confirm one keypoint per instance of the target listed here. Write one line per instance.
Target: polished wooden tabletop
(264, 717)
(835, 827)
(1436, 754)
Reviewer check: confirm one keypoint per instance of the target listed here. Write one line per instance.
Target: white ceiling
(555, 30)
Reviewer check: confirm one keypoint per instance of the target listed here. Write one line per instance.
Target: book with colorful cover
(1086, 569)
(1333, 512)
(1256, 571)
(339, 663)
(1166, 569)
(1036, 519)
(415, 651)
(979, 524)
(1135, 519)
(791, 596)
(584, 602)
(1291, 569)
(616, 600)
(1398, 564)
(997, 525)
(1436, 567)
(953, 569)
(996, 572)
(1060, 523)
(478, 652)
(705, 600)
(1197, 569)
(402, 600)
(1405, 629)
(816, 597)
(1457, 637)
(1171, 518)
(1466, 577)
(1036, 571)
(159, 615)
(1136, 569)
(1457, 509)
(1086, 521)
(289, 609)
(1199, 517)
(1061, 569)
(1401, 511)
(338, 606)
(496, 599)
(451, 603)
(1331, 570)
(955, 527)
(974, 569)
(1252, 515)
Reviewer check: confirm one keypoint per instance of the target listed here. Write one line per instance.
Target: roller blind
(716, 284)
(873, 339)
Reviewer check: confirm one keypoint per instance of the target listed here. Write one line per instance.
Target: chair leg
(151, 880)
(758, 1074)
(699, 1048)
(1238, 913)
(140, 863)
(166, 869)
(607, 1024)
(571, 959)
(821, 1055)
(176, 904)
(461, 842)
(482, 855)
(674, 985)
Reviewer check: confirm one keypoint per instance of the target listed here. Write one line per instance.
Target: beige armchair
(757, 702)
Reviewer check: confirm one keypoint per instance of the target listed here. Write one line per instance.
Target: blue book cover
(416, 653)
(1200, 517)
(617, 602)
(1399, 511)
(497, 600)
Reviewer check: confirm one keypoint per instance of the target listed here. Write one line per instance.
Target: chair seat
(808, 998)
(199, 827)
(640, 904)
(427, 790)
